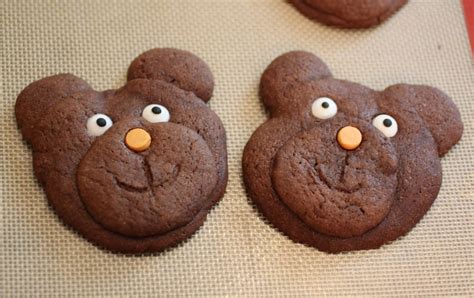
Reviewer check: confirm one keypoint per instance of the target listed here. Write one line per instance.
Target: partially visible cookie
(349, 13)
(135, 169)
(339, 166)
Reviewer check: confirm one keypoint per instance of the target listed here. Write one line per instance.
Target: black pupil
(387, 122)
(156, 110)
(101, 122)
(325, 105)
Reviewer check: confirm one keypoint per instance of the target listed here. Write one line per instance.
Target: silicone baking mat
(236, 252)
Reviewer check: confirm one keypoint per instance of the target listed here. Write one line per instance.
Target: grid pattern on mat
(236, 252)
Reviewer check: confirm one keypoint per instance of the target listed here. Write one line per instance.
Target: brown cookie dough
(135, 169)
(349, 13)
(183, 69)
(339, 166)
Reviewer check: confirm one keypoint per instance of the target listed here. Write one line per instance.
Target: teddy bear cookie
(135, 169)
(339, 166)
(349, 13)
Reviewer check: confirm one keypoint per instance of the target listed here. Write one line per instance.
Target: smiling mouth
(320, 178)
(131, 188)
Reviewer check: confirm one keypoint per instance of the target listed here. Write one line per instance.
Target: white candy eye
(386, 124)
(98, 124)
(156, 113)
(324, 108)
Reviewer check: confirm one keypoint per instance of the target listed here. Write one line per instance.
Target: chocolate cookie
(135, 169)
(349, 13)
(339, 166)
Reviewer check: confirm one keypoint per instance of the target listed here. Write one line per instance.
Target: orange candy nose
(138, 139)
(349, 137)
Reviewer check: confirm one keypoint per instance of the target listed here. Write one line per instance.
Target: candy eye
(156, 113)
(386, 124)
(324, 108)
(98, 124)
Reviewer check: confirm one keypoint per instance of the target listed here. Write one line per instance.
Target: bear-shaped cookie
(339, 166)
(349, 13)
(135, 169)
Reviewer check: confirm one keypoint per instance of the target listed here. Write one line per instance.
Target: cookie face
(339, 166)
(135, 169)
(349, 13)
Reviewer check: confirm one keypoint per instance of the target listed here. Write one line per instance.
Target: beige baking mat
(236, 252)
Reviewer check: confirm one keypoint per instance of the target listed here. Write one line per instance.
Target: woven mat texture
(236, 252)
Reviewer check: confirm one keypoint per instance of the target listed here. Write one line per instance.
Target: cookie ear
(181, 68)
(286, 73)
(437, 110)
(34, 101)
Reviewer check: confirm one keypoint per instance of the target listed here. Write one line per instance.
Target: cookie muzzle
(337, 191)
(148, 180)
